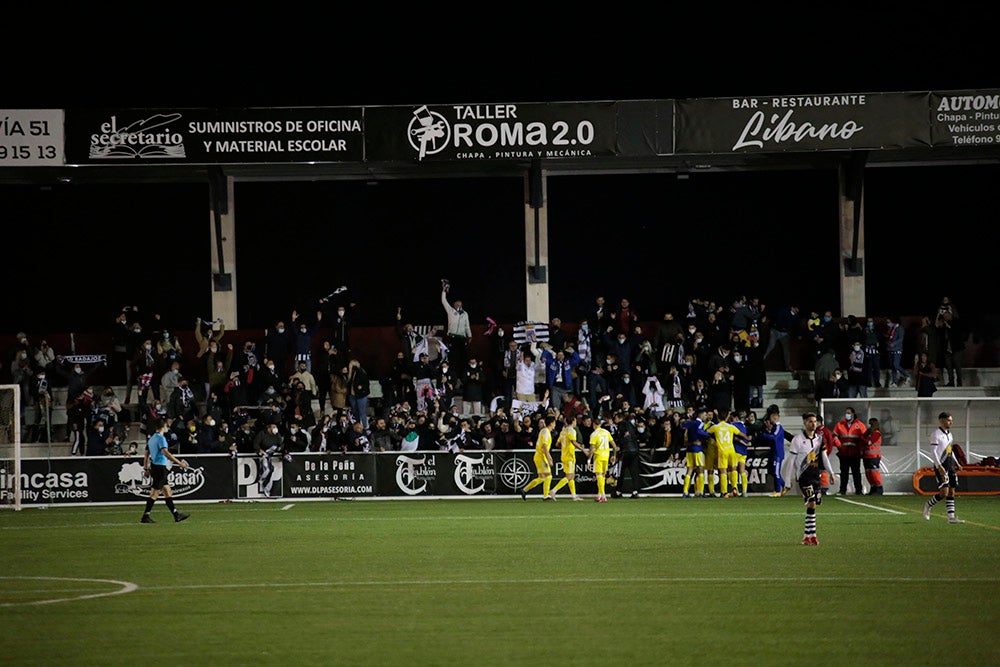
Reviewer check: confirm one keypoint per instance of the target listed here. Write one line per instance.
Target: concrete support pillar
(536, 236)
(224, 301)
(852, 275)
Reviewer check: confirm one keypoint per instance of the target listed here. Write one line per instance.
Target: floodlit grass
(653, 581)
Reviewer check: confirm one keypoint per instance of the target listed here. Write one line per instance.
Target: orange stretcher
(972, 481)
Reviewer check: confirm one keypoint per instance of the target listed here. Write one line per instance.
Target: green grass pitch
(500, 581)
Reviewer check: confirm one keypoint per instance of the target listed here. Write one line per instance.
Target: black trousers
(850, 466)
(630, 465)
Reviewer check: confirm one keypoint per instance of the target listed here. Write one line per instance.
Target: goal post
(10, 446)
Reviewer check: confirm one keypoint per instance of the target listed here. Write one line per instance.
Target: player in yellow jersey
(543, 461)
(568, 447)
(724, 433)
(711, 459)
(600, 455)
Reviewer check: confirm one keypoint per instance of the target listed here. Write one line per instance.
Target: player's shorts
(694, 459)
(159, 476)
(811, 483)
(740, 458)
(950, 476)
(711, 455)
(726, 458)
(601, 464)
(569, 464)
(541, 464)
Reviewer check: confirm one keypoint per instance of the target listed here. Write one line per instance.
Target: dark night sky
(651, 238)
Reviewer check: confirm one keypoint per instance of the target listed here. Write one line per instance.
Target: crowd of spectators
(238, 395)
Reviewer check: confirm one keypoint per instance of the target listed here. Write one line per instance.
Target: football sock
(532, 484)
(546, 485)
(560, 484)
(572, 486)
(600, 485)
(810, 522)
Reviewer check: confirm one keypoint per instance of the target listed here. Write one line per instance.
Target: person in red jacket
(850, 433)
(829, 444)
(871, 455)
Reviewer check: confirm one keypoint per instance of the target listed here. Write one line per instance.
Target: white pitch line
(288, 507)
(126, 587)
(394, 519)
(554, 580)
(873, 507)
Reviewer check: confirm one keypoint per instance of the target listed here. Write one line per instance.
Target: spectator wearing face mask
(207, 436)
(268, 377)
(359, 387)
(473, 388)
(622, 345)
(849, 434)
(44, 357)
(834, 386)
(213, 335)
(182, 405)
(303, 340)
(277, 347)
(144, 366)
(20, 345)
(857, 372)
(41, 396)
(559, 365)
(827, 334)
(98, 438)
(340, 327)
(169, 381)
(168, 349)
(739, 371)
(297, 439)
(22, 374)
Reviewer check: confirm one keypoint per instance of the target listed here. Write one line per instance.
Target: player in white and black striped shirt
(814, 462)
(946, 468)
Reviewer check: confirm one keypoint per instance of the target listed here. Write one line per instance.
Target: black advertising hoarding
(490, 132)
(328, 476)
(645, 128)
(114, 479)
(435, 473)
(797, 123)
(207, 136)
(969, 118)
(310, 476)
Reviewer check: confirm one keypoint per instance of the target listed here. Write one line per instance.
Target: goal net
(10, 446)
